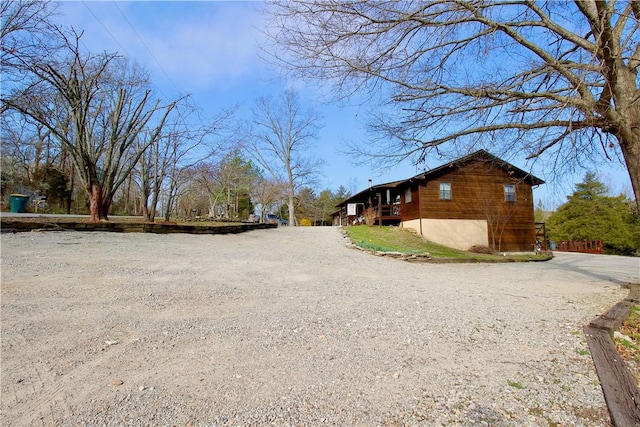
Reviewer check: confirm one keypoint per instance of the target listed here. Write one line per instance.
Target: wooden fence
(585, 246)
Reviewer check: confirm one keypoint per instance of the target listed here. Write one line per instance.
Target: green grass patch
(396, 239)
(515, 384)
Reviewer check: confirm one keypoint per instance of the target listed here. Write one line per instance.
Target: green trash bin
(19, 203)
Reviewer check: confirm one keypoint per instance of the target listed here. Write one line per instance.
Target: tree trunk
(149, 206)
(292, 211)
(153, 208)
(98, 207)
(263, 213)
(149, 214)
(169, 203)
(145, 211)
(627, 128)
(631, 152)
(69, 197)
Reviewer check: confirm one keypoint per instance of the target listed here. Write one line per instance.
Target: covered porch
(379, 204)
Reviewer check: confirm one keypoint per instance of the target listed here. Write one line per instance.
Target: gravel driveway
(290, 327)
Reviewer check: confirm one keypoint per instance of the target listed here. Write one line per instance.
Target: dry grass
(630, 349)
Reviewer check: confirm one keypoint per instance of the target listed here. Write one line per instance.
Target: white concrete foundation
(455, 233)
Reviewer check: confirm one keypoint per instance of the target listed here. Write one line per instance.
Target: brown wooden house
(475, 200)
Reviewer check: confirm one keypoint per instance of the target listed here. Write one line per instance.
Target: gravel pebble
(291, 327)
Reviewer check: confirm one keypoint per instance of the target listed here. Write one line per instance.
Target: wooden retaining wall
(132, 227)
(618, 385)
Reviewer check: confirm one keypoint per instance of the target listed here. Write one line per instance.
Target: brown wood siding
(477, 192)
(410, 210)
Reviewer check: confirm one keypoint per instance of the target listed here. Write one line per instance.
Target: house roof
(481, 155)
(371, 189)
(484, 156)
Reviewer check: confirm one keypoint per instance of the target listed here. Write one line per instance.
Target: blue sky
(209, 49)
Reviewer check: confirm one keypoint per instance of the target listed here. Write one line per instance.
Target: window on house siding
(445, 191)
(407, 195)
(509, 193)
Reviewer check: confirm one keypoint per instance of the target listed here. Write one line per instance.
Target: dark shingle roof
(484, 156)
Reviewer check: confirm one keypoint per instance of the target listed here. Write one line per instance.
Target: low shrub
(482, 249)
(369, 216)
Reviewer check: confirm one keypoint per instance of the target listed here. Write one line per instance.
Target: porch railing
(388, 211)
(584, 246)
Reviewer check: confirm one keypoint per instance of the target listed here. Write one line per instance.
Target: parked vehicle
(275, 219)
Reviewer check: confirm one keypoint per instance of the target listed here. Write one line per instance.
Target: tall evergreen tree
(590, 214)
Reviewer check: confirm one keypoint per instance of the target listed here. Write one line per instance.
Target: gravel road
(291, 327)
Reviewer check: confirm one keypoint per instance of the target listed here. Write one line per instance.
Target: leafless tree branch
(459, 70)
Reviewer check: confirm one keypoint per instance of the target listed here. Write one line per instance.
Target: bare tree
(191, 197)
(283, 134)
(557, 76)
(183, 144)
(497, 218)
(177, 181)
(26, 33)
(26, 147)
(267, 193)
(97, 106)
(225, 182)
(305, 204)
